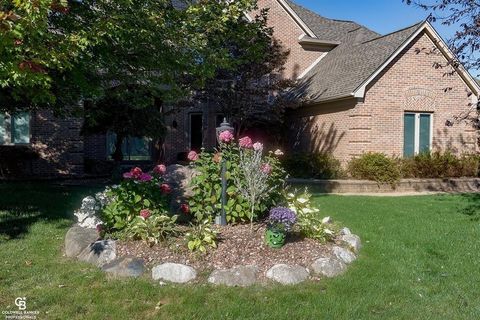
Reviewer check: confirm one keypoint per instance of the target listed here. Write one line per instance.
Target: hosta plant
(201, 237)
(152, 227)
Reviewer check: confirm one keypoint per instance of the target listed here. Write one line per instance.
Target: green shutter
(21, 128)
(424, 133)
(408, 135)
(3, 131)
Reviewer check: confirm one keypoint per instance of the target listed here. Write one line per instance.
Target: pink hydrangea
(165, 188)
(257, 146)
(245, 142)
(226, 136)
(145, 213)
(160, 169)
(266, 168)
(127, 175)
(136, 172)
(192, 156)
(185, 208)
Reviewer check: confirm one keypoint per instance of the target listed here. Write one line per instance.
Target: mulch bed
(238, 245)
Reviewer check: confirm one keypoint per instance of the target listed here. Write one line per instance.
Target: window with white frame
(14, 129)
(417, 133)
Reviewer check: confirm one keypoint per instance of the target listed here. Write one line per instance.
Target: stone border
(454, 185)
(84, 245)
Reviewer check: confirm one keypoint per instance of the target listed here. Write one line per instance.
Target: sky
(382, 16)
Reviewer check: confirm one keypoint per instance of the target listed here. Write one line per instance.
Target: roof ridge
(396, 31)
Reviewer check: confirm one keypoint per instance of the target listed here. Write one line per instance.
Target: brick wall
(409, 83)
(59, 144)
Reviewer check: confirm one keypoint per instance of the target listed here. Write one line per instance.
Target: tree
(465, 15)
(252, 94)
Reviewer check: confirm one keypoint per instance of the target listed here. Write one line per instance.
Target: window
(133, 149)
(15, 129)
(417, 133)
(196, 131)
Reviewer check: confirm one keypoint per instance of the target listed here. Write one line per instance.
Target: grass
(420, 260)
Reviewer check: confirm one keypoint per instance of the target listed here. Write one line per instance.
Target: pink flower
(278, 152)
(266, 168)
(145, 213)
(160, 169)
(165, 188)
(257, 146)
(127, 175)
(145, 177)
(192, 156)
(226, 136)
(185, 208)
(136, 172)
(245, 142)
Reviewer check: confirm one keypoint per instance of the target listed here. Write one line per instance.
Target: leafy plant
(375, 166)
(440, 165)
(152, 229)
(138, 191)
(309, 222)
(206, 186)
(313, 165)
(201, 237)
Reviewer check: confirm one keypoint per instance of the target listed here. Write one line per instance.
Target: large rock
(329, 267)
(238, 276)
(353, 241)
(286, 274)
(87, 214)
(174, 272)
(345, 231)
(344, 255)
(125, 267)
(99, 253)
(77, 239)
(180, 178)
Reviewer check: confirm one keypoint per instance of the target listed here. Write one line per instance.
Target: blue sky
(382, 16)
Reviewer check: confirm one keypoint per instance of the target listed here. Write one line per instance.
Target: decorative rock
(99, 253)
(286, 274)
(344, 255)
(345, 231)
(327, 220)
(77, 239)
(86, 215)
(90, 223)
(179, 177)
(353, 241)
(238, 276)
(125, 267)
(329, 267)
(174, 272)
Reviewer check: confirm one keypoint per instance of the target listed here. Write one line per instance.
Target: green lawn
(420, 261)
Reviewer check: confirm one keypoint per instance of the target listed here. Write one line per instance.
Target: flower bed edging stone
(287, 275)
(174, 272)
(125, 267)
(238, 276)
(345, 255)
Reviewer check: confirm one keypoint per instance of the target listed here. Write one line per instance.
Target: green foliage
(375, 166)
(157, 227)
(313, 165)
(207, 189)
(201, 236)
(129, 198)
(440, 165)
(309, 222)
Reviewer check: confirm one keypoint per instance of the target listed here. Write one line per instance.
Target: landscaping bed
(237, 245)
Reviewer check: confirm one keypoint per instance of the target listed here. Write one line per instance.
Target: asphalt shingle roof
(360, 53)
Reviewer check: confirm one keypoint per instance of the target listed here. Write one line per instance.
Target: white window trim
(8, 131)
(417, 130)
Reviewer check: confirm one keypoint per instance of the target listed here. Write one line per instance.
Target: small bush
(440, 165)
(313, 165)
(375, 166)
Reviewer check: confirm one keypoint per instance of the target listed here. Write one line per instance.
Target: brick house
(359, 92)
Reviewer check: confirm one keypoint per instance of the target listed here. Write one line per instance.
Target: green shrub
(201, 237)
(152, 229)
(138, 191)
(440, 165)
(375, 166)
(313, 165)
(207, 186)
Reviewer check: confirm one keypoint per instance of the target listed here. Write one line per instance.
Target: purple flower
(145, 177)
(127, 175)
(282, 217)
